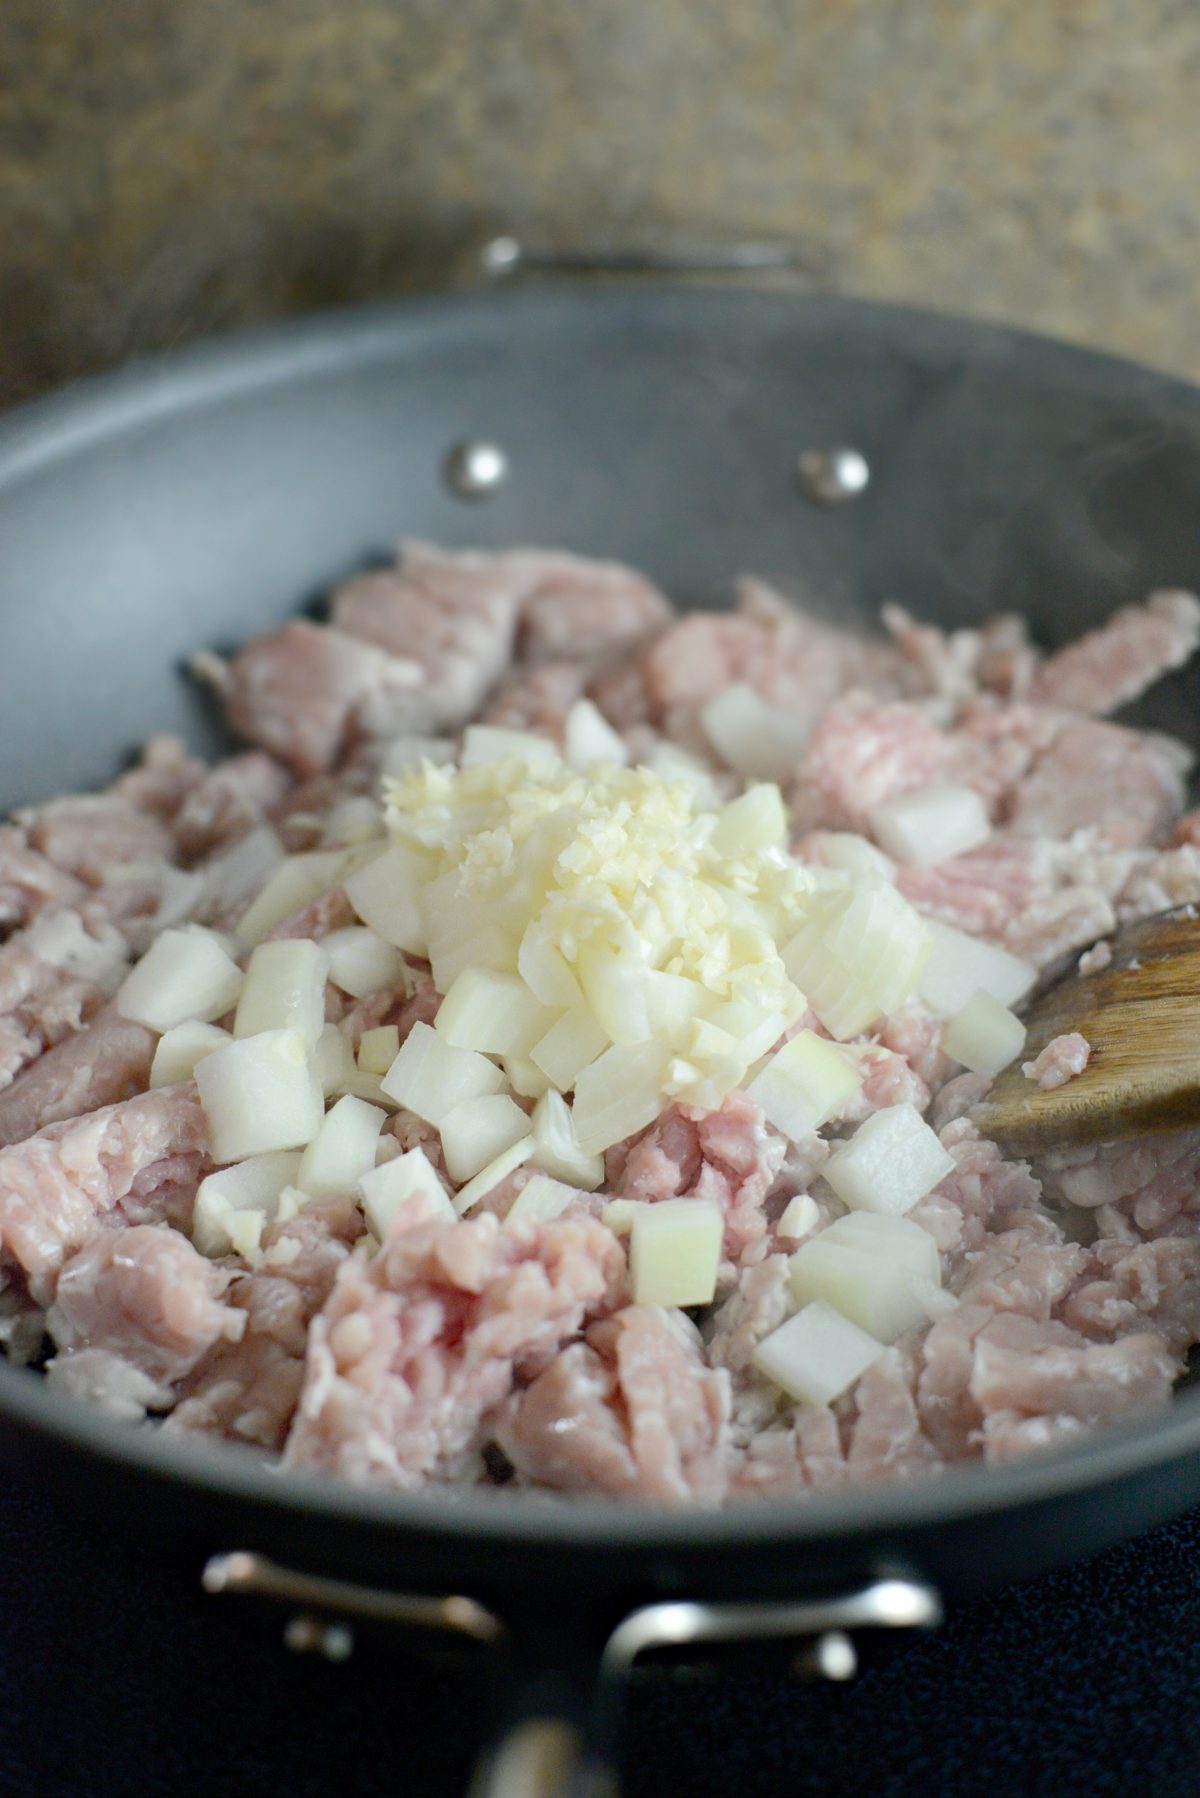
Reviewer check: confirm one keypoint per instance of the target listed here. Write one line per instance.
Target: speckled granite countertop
(172, 167)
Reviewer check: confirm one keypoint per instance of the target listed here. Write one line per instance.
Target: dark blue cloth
(119, 1679)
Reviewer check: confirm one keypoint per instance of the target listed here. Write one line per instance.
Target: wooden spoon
(1141, 1015)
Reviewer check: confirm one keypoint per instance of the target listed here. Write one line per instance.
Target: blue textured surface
(119, 1677)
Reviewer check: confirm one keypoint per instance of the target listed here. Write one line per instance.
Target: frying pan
(198, 499)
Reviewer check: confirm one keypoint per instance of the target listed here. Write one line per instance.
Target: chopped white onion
(431, 1077)
(857, 955)
(816, 1355)
(490, 743)
(958, 964)
(385, 893)
(343, 1149)
(259, 1094)
(757, 739)
(496, 1170)
(931, 824)
(251, 1186)
(476, 1130)
(184, 974)
(384, 1189)
(295, 882)
(284, 989)
(353, 821)
(755, 820)
(618, 1095)
(361, 963)
(378, 1049)
(984, 1036)
(494, 1013)
(675, 1251)
(588, 737)
(539, 1201)
(557, 1146)
(803, 1084)
(333, 1059)
(233, 877)
(614, 986)
(890, 1162)
(618, 1215)
(569, 1046)
(525, 1077)
(181, 1049)
(462, 931)
(853, 854)
(870, 1267)
(800, 1217)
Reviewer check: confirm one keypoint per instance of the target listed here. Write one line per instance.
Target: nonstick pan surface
(198, 499)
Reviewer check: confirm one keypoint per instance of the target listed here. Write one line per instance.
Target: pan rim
(179, 383)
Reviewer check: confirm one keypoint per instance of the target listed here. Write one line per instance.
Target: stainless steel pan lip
(186, 382)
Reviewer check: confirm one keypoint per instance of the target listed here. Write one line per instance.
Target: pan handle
(563, 1729)
(559, 1711)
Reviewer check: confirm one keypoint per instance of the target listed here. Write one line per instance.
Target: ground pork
(1061, 1060)
(415, 1351)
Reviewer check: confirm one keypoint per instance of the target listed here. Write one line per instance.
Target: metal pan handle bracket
(563, 1723)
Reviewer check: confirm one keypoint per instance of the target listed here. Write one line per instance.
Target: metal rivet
(500, 256)
(831, 1655)
(475, 469)
(830, 477)
(308, 1635)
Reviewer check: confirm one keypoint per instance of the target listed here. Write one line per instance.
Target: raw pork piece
(128, 1162)
(108, 1060)
(632, 1412)
(1061, 1060)
(1117, 663)
(145, 1296)
(1129, 784)
(228, 802)
(415, 1351)
(53, 975)
(246, 1390)
(29, 881)
(87, 834)
(861, 753)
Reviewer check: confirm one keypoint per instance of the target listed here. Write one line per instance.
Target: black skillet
(195, 500)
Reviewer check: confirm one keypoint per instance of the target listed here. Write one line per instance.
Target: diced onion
(931, 823)
(251, 1186)
(757, 739)
(569, 1046)
(333, 1060)
(184, 974)
(614, 986)
(857, 955)
(618, 1215)
(816, 1355)
(588, 737)
(384, 1189)
(618, 1095)
(890, 1162)
(260, 1094)
(873, 1268)
(490, 743)
(557, 1146)
(284, 989)
(958, 964)
(800, 1217)
(803, 1084)
(385, 893)
(496, 1170)
(343, 1149)
(984, 1036)
(361, 963)
(494, 1013)
(675, 1251)
(378, 1049)
(296, 882)
(855, 855)
(431, 1077)
(525, 1077)
(476, 1130)
(181, 1048)
(755, 820)
(539, 1201)
(353, 821)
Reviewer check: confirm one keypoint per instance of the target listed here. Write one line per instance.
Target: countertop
(174, 167)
